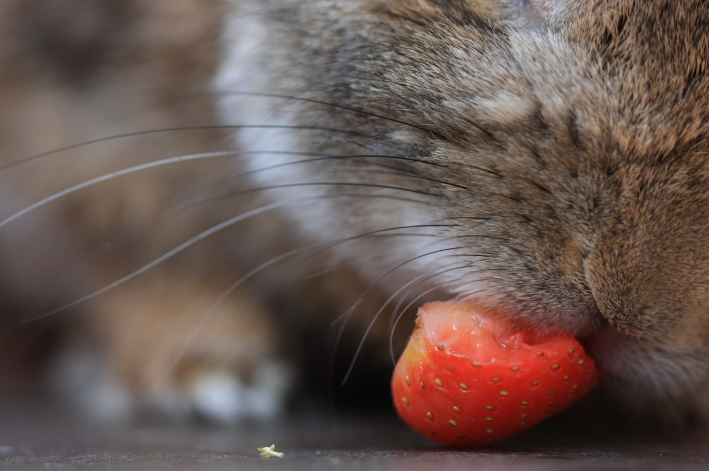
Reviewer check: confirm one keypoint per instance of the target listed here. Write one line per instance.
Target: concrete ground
(37, 435)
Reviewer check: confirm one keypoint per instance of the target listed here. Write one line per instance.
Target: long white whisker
(375, 256)
(400, 315)
(403, 298)
(165, 130)
(403, 311)
(171, 253)
(184, 158)
(199, 204)
(111, 175)
(374, 320)
(345, 317)
(209, 312)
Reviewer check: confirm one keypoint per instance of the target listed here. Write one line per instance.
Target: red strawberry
(468, 379)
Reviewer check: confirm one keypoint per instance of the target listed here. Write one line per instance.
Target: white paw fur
(84, 380)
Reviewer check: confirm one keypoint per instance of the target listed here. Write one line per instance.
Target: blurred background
(92, 87)
(76, 71)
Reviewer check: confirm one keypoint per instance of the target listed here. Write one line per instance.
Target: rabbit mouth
(648, 374)
(643, 372)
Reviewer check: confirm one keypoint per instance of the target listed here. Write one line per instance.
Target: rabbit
(343, 161)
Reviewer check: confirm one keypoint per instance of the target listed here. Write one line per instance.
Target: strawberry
(469, 379)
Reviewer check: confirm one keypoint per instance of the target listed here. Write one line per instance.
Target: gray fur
(573, 134)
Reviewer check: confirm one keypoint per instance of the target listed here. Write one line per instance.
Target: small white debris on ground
(270, 452)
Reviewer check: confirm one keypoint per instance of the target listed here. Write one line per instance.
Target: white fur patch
(504, 109)
(83, 379)
(242, 70)
(223, 398)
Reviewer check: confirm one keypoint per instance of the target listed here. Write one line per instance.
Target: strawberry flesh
(469, 378)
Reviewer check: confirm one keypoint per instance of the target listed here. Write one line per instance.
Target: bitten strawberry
(469, 379)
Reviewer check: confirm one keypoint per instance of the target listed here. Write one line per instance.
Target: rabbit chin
(648, 377)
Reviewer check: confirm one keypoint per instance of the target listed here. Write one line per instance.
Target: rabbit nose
(630, 287)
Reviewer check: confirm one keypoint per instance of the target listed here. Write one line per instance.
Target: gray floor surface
(37, 435)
